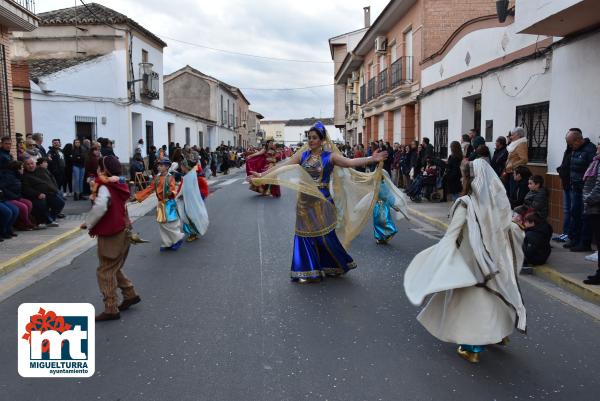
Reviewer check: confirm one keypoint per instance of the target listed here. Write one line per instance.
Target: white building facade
(100, 81)
(493, 76)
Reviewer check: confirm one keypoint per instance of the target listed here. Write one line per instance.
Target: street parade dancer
(164, 186)
(260, 162)
(389, 198)
(109, 222)
(192, 191)
(325, 225)
(472, 272)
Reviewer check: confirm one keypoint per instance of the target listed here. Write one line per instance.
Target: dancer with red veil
(260, 162)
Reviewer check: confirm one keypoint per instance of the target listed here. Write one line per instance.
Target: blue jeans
(566, 210)
(8, 216)
(78, 174)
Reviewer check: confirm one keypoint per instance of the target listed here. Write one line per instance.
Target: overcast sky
(274, 28)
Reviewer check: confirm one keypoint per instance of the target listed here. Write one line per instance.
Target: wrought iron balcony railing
(29, 5)
(383, 82)
(371, 89)
(402, 71)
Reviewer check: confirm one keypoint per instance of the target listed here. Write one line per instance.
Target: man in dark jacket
(41, 189)
(500, 156)
(517, 195)
(564, 172)
(581, 157)
(591, 210)
(5, 156)
(56, 164)
(476, 141)
(536, 245)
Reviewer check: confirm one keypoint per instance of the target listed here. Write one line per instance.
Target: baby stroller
(415, 189)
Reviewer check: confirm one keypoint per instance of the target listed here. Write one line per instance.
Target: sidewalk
(32, 244)
(564, 268)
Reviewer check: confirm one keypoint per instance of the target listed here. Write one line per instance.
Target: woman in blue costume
(389, 198)
(318, 251)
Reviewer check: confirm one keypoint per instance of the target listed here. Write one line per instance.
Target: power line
(286, 89)
(245, 54)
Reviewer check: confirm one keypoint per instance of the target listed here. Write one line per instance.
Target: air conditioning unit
(380, 44)
(354, 76)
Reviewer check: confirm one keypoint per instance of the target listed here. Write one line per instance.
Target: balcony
(151, 86)
(402, 72)
(557, 17)
(18, 15)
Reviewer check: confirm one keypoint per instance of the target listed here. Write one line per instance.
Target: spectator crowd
(422, 173)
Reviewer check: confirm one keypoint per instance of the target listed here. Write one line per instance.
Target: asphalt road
(220, 320)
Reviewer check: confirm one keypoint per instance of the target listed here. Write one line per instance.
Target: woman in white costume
(472, 272)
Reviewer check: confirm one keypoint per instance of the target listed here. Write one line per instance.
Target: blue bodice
(319, 168)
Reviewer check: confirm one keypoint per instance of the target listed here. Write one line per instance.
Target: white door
(380, 128)
(394, 53)
(408, 51)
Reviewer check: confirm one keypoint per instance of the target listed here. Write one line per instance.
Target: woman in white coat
(472, 272)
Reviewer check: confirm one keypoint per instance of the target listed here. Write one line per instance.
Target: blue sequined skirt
(315, 257)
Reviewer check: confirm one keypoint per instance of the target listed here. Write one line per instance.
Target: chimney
(367, 11)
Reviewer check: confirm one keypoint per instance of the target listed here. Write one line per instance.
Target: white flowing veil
(495, 239)
(354, 193)
(191, 208)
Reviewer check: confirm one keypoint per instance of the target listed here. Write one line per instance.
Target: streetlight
(145, 69)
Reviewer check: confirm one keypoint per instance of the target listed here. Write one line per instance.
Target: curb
(15, 262)
(546, 271)
(576, 287)
(18, 261)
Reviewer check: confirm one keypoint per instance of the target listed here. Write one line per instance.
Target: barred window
(440, 139)
(534, 120)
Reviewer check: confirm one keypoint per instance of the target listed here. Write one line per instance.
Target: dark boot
(107, 316)
(593, 280)
(129, 302)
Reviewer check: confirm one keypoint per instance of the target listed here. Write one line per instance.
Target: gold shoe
(191, 238)
(308, 280)
(136, 239)
(472, 357)
(505, 341)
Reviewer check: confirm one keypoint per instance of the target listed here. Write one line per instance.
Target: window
(534, 120)
(149, 135)
(187, 135)
(144, 56)
(489, 130)
(85, 128)
(394, 52)
(223, 112)
(200, 139)
(440, 139)
(4, 105)
(228, 115)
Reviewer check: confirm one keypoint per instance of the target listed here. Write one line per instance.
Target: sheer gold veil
(354, 193)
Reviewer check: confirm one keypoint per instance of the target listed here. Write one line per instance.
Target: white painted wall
(574, 100)
(483, 46)
(498, 103)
